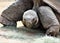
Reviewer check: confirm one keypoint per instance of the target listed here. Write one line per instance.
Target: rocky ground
(21, 34)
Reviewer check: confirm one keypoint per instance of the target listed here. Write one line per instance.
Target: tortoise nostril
(24, 19)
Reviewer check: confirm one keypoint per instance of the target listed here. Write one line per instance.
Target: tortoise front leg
(37, 3)
(7, 22)
(49, 20)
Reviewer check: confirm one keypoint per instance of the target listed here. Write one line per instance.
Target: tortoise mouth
(30, 23)
(27, 24)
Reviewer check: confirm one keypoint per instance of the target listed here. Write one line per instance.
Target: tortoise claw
(53, 31)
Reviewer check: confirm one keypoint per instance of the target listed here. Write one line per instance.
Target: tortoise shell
(55, 4)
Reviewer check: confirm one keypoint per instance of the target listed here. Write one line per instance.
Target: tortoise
(15, 12)
(48, 16)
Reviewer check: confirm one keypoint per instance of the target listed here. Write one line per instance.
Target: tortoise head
(30, 18)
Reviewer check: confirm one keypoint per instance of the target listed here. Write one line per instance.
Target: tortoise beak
(29, 25)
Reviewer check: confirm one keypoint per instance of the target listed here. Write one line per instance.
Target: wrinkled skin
(49, 21)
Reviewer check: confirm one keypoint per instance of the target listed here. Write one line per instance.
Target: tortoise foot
(53, 31)
(7, 22)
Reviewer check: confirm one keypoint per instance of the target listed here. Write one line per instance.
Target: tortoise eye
(24, 19)
(33, 19)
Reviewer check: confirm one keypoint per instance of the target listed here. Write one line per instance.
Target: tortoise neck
(37, 4)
